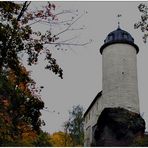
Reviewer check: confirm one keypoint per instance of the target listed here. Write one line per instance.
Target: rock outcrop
(118, 127)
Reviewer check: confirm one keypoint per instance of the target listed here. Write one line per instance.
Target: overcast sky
(82, 66)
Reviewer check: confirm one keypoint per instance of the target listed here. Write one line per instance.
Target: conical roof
(119, 36)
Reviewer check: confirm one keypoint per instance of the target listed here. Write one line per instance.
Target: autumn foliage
(20, 101)
(61, 139)
(19, 111)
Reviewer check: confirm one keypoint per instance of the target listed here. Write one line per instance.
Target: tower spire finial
(119, 15)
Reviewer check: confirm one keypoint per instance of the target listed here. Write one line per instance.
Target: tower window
(125, 35)
(110, 37)
(89, 116)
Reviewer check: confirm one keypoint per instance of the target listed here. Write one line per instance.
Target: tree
(143, 23)
(18, 89)
(61, 139)
(20, 103)
(19, 110)
(74, 126)
(18, 36)
(43, 140)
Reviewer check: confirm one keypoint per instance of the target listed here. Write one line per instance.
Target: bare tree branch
(48, 22)
(24, 8)
(36, 21)
(74, 29)
(70, 39)
(69, 26)
(72, 44)
(56, 22)
(63, 12)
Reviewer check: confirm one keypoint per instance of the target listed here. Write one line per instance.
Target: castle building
(119, 80)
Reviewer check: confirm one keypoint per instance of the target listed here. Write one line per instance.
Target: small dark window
(89, 116)
(125, 36)
(110, 37)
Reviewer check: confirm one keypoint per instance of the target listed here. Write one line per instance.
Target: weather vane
(118, 16)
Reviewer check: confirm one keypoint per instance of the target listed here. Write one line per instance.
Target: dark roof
(119, 36)
(93, 102)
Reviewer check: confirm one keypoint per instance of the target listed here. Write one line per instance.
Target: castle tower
(119, 67)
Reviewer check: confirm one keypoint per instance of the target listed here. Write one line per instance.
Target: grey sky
(83, 65)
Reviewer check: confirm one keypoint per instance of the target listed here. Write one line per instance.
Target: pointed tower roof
(119, 36)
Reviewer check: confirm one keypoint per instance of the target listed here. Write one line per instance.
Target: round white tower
(119, 67)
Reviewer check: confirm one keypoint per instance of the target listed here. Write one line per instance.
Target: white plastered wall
(120, 84)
